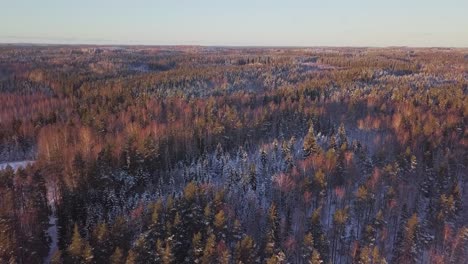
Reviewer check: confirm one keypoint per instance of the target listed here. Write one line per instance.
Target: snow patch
(16, 164)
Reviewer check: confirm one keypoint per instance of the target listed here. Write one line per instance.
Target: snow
(52, 233)
(52, 230)
(16, 164)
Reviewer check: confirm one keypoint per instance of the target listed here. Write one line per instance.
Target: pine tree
(219, 151)
(310, 145)
(315, 257)
(245, 250)
(253, 177)
(103, 245)
(407, 248)
(197, 248)
(167, 256)
(220, 224)
(362, 203)
(460, 250)
(365, 256)
(87, 253)
(321, 243)
(117, 257)
(131, 257)
(320, 185)
(128, 157)
(236, 232)
(457, 197)
(263, 158)
(208, 214)
(210, 250)
(224, 256)
(57, 257)
(12, 260)
(151, 154)
(307, 246)
(75, 250)
(340, 218)
(272, 240)
(159, 251)
(142, 249)
(279, 258)
(342, 135)
(180, 235)
(8, 241)
(332, 144)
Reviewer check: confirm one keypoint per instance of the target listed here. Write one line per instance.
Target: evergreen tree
(75, 250)
(8, 241)
(210, 250)
(117, 257)
(142, 249)
(131, 257)
(307, 246)
(315, 257)
(457, 197)
(340, 218)
(245, 250)
(253, 177)
(57, 258)
(180, 236)
(321, 243)
(342, 135)
(167, 256)
(460, 250)
(279, 258)
(129, 154)
(220, 224)
(224, 256)
(310, 145)
(197, 248)
(407, 248)
(273, 239)
(263, 158)
(87, 253)
(332, 143)
(151, 154)
(103, 245)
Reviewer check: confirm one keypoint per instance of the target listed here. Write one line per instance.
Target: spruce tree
(88, 255)
(315, 258)
(197, 248)
(131, 257)
(117, 257)
(57, 258)
(210, 250)
(75, 249)
(342, 135)
(272, 239)
(253, 177)
(321, 243)
(220, 224)
(310, 145)
(245, 250)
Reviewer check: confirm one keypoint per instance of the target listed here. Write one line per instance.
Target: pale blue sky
(237, 22)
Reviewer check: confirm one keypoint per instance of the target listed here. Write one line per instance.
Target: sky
(420, 23)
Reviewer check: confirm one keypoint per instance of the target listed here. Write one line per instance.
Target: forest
(192, 154)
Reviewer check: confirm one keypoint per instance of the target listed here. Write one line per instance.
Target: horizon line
(220, 45)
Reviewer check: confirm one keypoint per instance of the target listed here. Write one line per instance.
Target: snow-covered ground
(52, 233)
(16, 164)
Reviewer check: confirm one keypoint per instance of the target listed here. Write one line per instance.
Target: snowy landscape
(191, 154)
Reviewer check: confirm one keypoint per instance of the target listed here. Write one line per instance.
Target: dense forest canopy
(233, 155)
